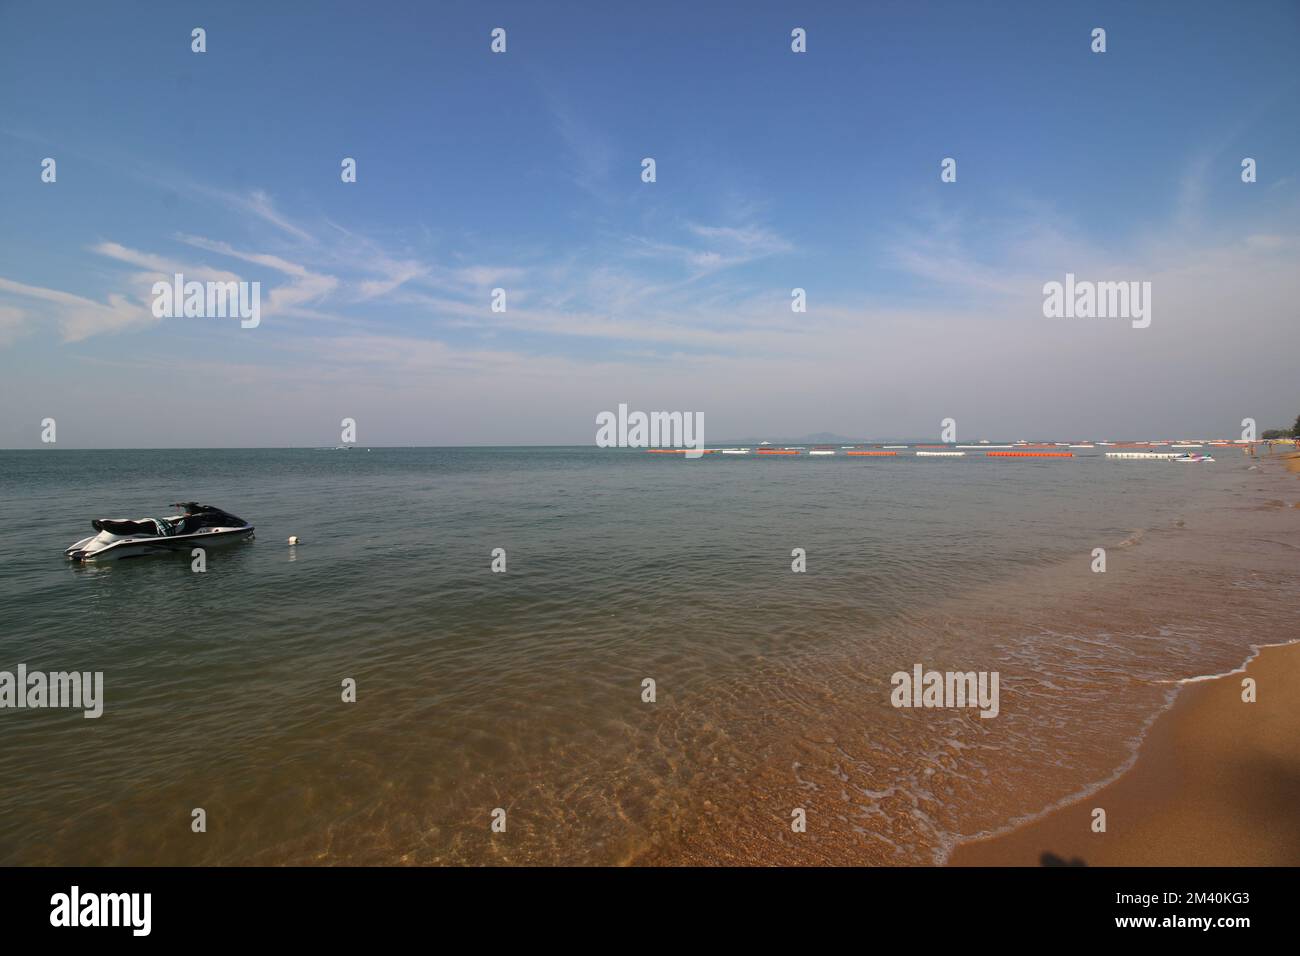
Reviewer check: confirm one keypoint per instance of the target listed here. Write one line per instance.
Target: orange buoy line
(1029, 454)
(777, 451)
(874, 454)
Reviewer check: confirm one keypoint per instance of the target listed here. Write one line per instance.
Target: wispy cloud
(672, 304)
(157, 266)
(396, 275)
(259, 204)
(76, 318)
(590, 152)
(706, 249)
(307, 286)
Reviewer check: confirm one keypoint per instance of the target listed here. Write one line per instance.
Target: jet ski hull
(110, 547)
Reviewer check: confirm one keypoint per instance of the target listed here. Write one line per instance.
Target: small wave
(949, 843)
(1198, 678)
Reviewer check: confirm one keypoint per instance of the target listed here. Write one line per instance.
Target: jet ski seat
(151, 527)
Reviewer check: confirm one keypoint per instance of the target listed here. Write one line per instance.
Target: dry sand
(1216, 783)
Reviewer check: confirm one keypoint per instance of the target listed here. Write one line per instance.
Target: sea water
(523, 691)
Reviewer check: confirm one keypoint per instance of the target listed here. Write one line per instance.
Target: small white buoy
(293, 539)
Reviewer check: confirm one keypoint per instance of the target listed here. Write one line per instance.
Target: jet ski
(196, 526)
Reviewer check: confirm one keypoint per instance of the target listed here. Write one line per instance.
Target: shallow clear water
(522, 690)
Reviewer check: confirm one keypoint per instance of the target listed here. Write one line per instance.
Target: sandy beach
(1216, 783)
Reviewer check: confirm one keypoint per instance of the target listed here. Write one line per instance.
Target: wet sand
(1216, 783)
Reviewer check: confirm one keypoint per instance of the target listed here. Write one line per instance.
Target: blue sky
(522, 171)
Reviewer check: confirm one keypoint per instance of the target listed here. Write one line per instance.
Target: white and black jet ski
(197, 526)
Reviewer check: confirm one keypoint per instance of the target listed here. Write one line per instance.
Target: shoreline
(1215, 782)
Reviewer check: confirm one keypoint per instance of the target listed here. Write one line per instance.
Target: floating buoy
(1029, 454)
